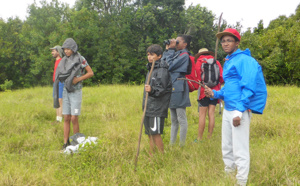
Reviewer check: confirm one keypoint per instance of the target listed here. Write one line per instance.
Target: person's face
(181, 45)
(54, 53)
(229, 44)
(153, 57)
(68, 52)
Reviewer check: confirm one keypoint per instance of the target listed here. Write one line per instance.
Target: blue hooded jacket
(245, 86)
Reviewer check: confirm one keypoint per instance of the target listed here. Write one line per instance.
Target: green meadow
(30, 145)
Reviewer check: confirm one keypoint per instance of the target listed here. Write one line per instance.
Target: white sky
(249, 13)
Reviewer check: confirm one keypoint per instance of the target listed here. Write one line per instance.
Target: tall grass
(30, 144)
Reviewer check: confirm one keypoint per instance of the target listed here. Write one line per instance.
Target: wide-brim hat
(203, 51)
(229, 32)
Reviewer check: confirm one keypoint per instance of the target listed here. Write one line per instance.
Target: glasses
(227, 41)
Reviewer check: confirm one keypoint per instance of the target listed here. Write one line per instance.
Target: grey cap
(59, 50)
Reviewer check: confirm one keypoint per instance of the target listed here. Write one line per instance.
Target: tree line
(113, 35)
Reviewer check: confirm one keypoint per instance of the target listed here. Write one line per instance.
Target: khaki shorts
(72, 102)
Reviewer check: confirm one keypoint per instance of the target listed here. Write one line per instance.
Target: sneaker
(241, 183)
(198, 141)
(68, 142)
(64, 147)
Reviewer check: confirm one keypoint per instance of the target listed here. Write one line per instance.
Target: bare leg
(202, 116)
(151, 143)
(59, 110)
(156, 140)
(211, 117)
(67, 121)
(75, 124)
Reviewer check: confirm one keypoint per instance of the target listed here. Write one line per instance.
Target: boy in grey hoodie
(71, 72)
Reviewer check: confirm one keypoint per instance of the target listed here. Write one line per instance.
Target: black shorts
(206, 101)
(154, 125)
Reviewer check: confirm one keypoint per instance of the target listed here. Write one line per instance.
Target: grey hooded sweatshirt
(67, 69)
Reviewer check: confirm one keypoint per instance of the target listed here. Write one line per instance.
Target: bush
(7, 85)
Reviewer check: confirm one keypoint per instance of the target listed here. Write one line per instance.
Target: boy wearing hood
(244, 92)
(57, 53)
(71, 72)
(159, 91)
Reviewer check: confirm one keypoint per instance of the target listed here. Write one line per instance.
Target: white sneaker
(241, 183)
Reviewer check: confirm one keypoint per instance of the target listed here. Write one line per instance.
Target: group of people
(244, 93)
(167, 92)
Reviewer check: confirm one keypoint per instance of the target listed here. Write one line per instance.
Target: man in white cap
(244, 93)
(57, 53)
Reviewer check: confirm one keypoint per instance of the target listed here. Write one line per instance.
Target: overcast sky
(248, 13)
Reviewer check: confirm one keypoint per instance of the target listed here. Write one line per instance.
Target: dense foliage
(277, 48)
(113, 37)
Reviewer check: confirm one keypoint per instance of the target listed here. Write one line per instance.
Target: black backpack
(210, 72)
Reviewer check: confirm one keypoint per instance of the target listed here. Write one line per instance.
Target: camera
(167, 42)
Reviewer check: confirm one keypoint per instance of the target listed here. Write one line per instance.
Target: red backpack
(192, 73)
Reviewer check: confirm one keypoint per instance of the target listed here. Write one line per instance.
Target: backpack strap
(184, 53)
(217, 72)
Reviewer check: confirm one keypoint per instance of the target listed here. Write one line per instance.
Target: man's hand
(236, 121)
(208, 92)
(147, 88)
(76, 80)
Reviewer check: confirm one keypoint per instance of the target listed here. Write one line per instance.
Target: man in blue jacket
(244, 92)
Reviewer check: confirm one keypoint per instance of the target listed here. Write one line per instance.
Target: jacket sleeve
(160, 85)
(177, 63)
(219, 94)
(221, 80)
(247, 70)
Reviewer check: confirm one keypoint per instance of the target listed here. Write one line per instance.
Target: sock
(59, 118)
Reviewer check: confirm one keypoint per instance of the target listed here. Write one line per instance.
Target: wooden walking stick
(185, 79)
(142, 122)
(216, 54)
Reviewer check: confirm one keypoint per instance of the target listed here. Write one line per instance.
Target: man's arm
(213, 94)
(248, 72)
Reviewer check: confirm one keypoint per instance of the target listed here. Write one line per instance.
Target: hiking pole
(216, 54)
(185, 79)
(143, 117)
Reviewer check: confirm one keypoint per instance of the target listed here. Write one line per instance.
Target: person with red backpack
(211, 74)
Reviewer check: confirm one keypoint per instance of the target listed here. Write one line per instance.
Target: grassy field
(30, 144)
